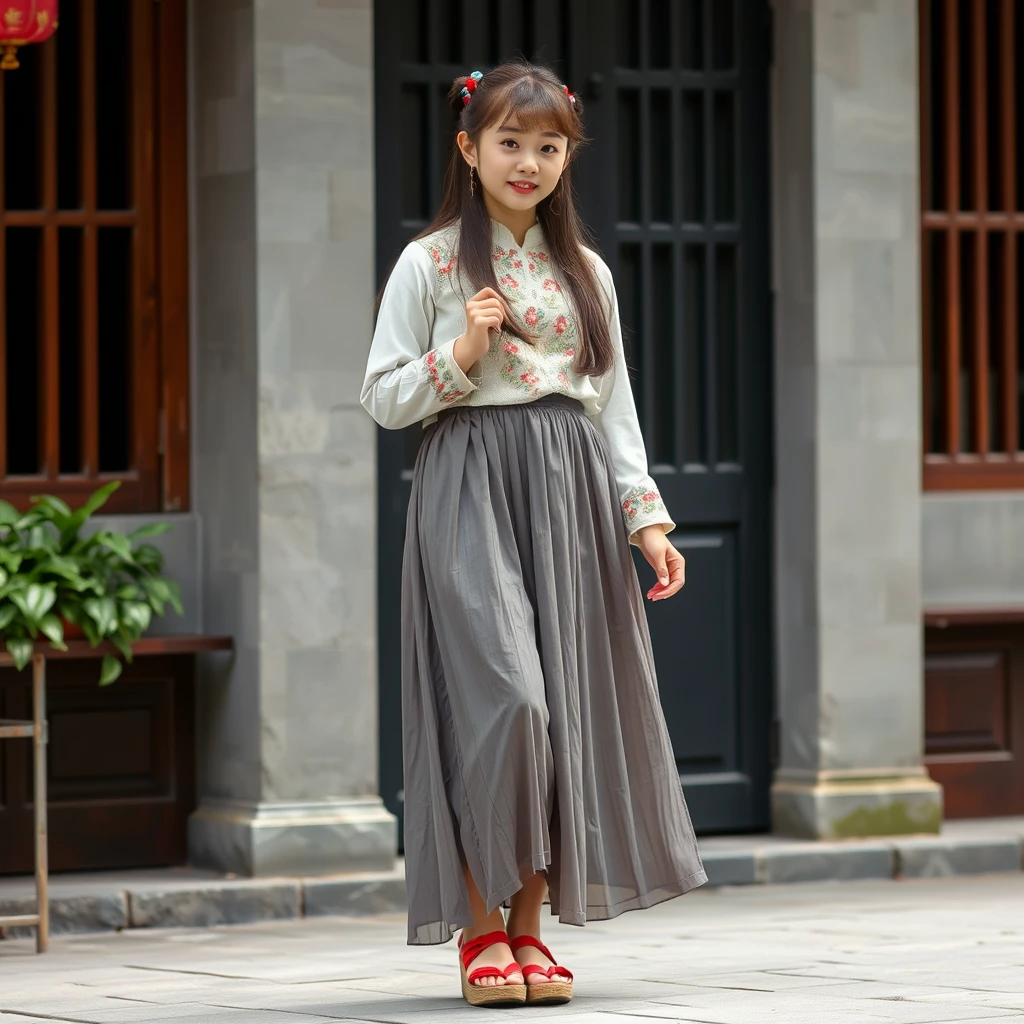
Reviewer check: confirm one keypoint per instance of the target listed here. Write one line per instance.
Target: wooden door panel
(701, 621)
(120, 772)
(974, 718)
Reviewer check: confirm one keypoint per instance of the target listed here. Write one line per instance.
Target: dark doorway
(675, 186)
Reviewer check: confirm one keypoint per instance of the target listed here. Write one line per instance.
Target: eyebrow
(519, 131)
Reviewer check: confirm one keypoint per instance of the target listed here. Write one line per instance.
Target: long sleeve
(640, 500)
(406, 380)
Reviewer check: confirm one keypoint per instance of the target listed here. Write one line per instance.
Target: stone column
(283, 242)
(847, 340)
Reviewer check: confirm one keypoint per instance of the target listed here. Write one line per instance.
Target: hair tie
(466, 92)
(571, 95)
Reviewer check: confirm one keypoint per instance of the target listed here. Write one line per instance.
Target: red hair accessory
(466, 92)
(571, 95)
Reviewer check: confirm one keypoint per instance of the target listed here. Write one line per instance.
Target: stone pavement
(919, 951)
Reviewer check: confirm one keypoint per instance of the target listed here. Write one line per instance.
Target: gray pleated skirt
(533, 735)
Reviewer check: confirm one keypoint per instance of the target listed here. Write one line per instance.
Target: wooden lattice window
(93, 244)
(972, 219)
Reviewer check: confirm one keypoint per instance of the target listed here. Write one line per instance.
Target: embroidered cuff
(644, 506)
(445, 375)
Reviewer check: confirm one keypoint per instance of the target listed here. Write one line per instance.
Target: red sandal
(548, 991)
(489, 995)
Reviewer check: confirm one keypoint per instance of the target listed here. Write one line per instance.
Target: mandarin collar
(504, 239)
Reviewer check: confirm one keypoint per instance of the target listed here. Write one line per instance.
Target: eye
(551, 149)
(506, 142)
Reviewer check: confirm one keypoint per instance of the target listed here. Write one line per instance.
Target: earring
(472, 181)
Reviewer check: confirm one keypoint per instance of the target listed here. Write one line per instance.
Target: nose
(527, 164)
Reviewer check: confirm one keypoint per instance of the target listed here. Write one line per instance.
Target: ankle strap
(471, 949)
(528, 940)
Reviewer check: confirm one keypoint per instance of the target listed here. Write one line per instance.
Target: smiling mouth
(525, 187)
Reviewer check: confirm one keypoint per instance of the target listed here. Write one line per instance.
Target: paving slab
(916, 951)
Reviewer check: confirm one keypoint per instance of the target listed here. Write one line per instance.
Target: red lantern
(23, 22)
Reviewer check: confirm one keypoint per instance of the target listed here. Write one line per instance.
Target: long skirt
(533, 735)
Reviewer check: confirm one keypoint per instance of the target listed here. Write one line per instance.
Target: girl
(536, 753)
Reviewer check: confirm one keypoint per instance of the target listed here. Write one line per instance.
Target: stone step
(192, 898)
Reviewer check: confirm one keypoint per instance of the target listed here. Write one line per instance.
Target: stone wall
(972, 548)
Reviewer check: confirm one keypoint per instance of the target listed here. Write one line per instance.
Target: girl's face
(518, 169)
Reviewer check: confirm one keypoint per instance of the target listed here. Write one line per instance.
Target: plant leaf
(149, 557)
(103, 612)
(99, 498)
(53, 629)
(123, 645)
(11, 559)
(20, 648)
(109, 670)
(150, 530)
(9, 515)
(7, 612)
(36, 601)
(137, 615)
(156, 593)
(175, 597)
(59, 513)
(116, 542)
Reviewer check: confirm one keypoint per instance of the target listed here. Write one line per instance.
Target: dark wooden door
(974, 717)
(675, 186)
(120, 766)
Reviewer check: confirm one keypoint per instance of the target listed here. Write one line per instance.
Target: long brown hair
(531, 97)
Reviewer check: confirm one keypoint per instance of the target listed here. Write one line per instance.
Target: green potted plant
(55, 583)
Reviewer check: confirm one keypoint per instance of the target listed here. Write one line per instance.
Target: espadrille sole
(492, 995)
(549, 993)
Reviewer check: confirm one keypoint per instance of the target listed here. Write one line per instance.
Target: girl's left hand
(667, 562)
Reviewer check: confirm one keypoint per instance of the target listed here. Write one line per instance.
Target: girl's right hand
(484, 313)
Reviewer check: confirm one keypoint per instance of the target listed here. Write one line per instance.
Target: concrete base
(309, 838)
(847, 805)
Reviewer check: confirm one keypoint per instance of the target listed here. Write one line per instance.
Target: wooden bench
(35, 729)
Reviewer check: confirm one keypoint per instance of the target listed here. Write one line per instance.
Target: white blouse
(411, 374)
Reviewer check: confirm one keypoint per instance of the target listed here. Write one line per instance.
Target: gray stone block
(231, 903)
(936, 858)
(822, 862)
(297, 838)
(70, 915)
(354, 898)
(731, 868)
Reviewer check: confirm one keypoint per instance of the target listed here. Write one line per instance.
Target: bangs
(536, 107)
